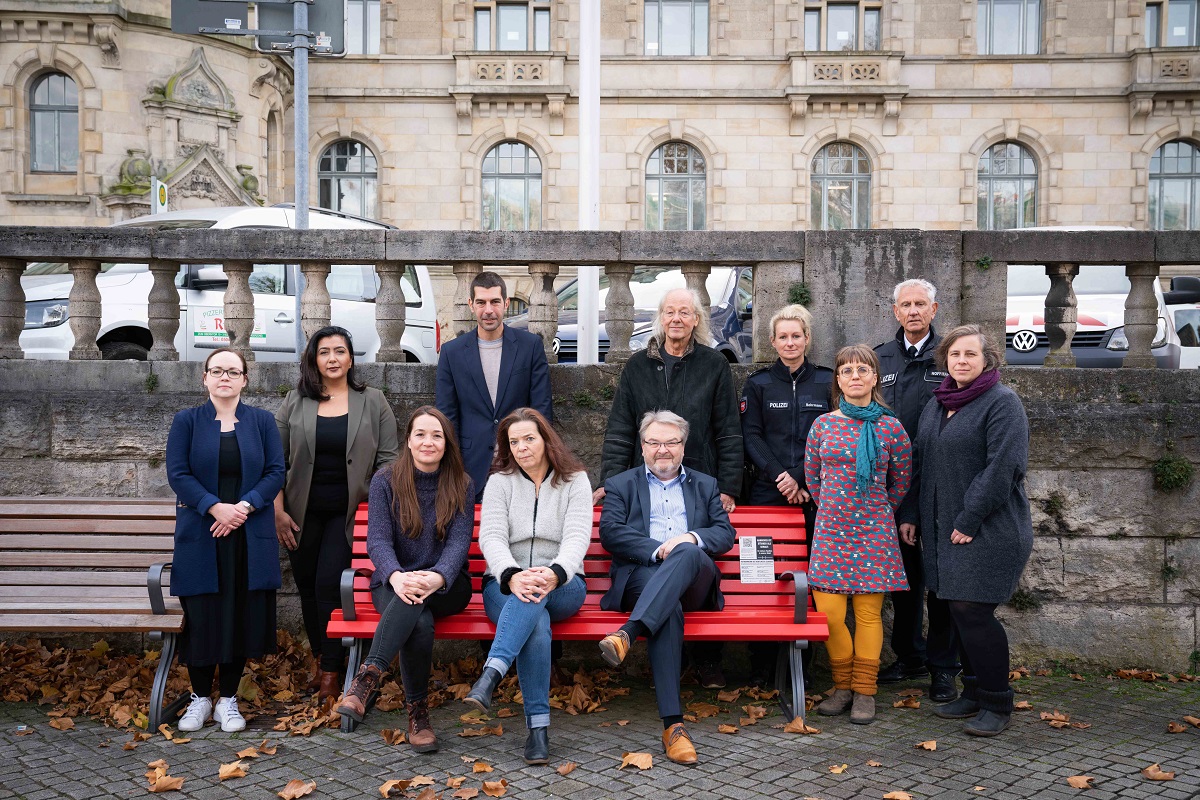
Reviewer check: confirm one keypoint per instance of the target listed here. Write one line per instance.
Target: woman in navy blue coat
(225, 464)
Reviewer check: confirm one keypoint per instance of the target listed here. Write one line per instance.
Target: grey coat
(973, 480)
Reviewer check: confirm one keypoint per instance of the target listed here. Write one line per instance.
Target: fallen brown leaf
(1081, 781)
(702, 710)
(141, 736)
(167, 784)
(481, 767)
(639, 760)
(1192, 721)
(454, 783)
(505, 713)
(466, 794)
(798, 725)
(874, 764)
(63, 724)
(421, 780)
(392, 786)
(484, 731)
(266, 748)
(185, 740)
(755, 712)
(157, 764)
(929, 745)
(495, 788)
(729, 696)
(129, 746)
(474, 717)
(393, 736)
(621, 723)
(249, 752)
(838, 769)
(1023, 705)
(297, 788)
(1154, 773)
(428, 794)
(979, 788)
(166, 731)
(566, 769)
(727, 729)
(907, 702)
(1056, 716)
(1081, 726)
(897, 795)
(1175, 727)
(1076, 676)
(234, 770)
(690, 717)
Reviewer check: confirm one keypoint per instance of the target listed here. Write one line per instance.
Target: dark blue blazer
(625, 526)
(462, 393)
(193, 453)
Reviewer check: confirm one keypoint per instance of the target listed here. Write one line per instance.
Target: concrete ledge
(728, 247)
(1075, 247)
(341, 245)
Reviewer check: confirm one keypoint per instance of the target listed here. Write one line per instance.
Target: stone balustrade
(849, 275)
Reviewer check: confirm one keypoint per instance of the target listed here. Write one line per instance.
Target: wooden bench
(88, 564)
(777, 612)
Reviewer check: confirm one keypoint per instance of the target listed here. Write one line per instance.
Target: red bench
(776, 612)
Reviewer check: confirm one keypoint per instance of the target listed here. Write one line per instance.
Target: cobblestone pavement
(1128, 731)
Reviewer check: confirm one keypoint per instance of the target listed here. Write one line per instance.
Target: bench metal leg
(791, 689)
(353, 662)
(158, 712)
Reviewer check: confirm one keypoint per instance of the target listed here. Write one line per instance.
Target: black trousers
(657, 596)
(940, 652)
(317, 566)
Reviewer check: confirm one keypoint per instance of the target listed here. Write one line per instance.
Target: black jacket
(701, 392)
(778, 408)
(908, 385)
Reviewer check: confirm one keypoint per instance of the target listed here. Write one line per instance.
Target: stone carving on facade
(108, 38)
(487, 85)
(827, 72)
(270, 75)
(1174, 68)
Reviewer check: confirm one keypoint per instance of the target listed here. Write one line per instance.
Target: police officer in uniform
(908, 375)
(779, 404)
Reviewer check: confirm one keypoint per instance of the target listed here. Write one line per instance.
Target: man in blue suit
(662, 524)
(485, 374)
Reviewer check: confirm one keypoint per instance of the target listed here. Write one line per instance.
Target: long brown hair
(452, 496)
(562, 460)
(857, 354)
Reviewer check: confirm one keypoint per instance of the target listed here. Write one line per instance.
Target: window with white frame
(512, 26)
(676, 27)
(1172, 23)
(841, 188)
(1007, 188)
(833, 26)
(362, 27)
(676, 189)
(1175, 187)
(348, 179)
(1009, 27)
(512, 188)
(53, 123)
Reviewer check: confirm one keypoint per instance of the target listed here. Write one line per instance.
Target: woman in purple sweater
(418, 535)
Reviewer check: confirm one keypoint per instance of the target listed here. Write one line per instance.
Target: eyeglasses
(217, 372)
(653, 445)
(850, 372)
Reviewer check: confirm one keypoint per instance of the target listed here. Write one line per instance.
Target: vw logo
(555, 345)
(1024, 341)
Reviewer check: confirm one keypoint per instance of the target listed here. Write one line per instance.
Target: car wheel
(123, 351)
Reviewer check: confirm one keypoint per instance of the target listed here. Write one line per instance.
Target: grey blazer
(372, 441)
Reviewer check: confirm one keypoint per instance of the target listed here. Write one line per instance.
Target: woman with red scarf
(973, 451)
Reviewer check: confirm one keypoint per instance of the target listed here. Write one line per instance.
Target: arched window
(676, 189)
(841, 188)
(348, 179)
(1007, 188)
(512, 188)
(54, 123)
(1175, 187)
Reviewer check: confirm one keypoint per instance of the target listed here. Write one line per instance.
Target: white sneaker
(198, 712)
(228, 715)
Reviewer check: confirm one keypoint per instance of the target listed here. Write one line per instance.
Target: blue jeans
(523, 635)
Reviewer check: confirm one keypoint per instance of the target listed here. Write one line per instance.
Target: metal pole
(300, 110)
(589, 175)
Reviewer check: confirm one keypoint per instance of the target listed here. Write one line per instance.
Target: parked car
(124, 288)
(730, 289)
(1183, 306)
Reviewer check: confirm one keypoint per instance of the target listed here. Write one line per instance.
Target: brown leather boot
(354, 704)
(330, 685)
(678, 745)
(420, 732)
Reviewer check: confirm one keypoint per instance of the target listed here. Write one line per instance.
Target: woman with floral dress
(857, 468)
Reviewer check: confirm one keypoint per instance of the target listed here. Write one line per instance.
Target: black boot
(995, 712)
(966, 706)
(480, 695)
(537, 746)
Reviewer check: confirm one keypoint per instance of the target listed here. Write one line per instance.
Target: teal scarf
(868, 441)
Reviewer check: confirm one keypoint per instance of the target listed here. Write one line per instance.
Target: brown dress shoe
(354, 704)
(614, 648)
(420, 732)
(330, 686)
(678, 745)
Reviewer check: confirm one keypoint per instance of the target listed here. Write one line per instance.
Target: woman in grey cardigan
(973, 451)
(534, 529)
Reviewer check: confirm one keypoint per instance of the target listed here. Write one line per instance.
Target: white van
(1183, 304)
(1099, 341)
(124, 288)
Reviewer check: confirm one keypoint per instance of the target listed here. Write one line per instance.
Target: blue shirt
(668, 511)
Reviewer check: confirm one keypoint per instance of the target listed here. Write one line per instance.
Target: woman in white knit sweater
(534, 530)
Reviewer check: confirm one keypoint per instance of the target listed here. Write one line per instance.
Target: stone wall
(1115, 574)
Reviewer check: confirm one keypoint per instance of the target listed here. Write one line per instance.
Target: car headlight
(638, 340)
(1119, 341)
(45, 313)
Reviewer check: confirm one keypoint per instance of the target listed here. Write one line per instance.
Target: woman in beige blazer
(337, 432)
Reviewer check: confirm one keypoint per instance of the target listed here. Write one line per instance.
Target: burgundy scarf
(953, 398)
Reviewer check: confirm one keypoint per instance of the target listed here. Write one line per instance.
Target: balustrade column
(696, 275)
(163, 314)
(618, 312)
(543, 306)
(12, 307)
(239, 307)
(84, 305)
(1141, 315)
(315, 308)
(1061, 314)
(389, 310)
(464, 320)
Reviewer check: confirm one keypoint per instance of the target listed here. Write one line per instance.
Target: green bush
(800, 294)
(1172, 472)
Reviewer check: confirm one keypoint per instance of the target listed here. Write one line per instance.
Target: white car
(124, 288)
(1183, 304)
